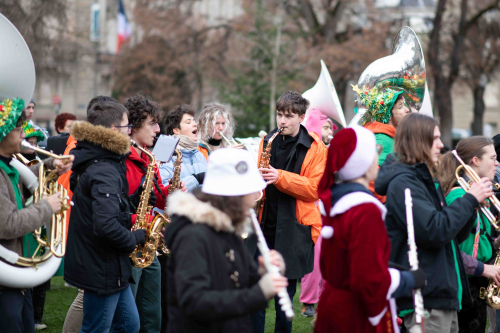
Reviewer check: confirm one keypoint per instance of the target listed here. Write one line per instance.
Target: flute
(413, 259)
(285, 302)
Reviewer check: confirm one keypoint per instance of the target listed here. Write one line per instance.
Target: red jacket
(354, 264)
(135, 176)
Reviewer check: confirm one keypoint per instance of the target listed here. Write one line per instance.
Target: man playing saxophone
(144, 116)
(479, 153)
(16, 307)
(290, 219)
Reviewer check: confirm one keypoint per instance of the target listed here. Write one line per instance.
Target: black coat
(57, 143)
(212, 280)
(436, 225)
(99, 237)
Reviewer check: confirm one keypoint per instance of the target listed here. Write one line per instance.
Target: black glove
(135, 198)
(199, 177)
(140, 236)
(419, 277)
(152, 199)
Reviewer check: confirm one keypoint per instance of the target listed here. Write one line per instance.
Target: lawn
(59, 299)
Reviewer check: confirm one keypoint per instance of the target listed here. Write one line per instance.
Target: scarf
(186, 143)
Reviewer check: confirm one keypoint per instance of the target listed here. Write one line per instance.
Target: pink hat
(316, 120)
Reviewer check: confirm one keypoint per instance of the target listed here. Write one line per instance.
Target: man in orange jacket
(290, 219)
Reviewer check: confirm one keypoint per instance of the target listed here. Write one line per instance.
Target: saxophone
(265, 159)
(174, 185)
(148, 251)
(492, 293)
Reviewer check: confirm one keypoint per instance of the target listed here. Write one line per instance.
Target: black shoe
(307, 310)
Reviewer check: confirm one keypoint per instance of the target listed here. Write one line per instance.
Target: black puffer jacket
(99, 237)
(212, 280)
(436, 225)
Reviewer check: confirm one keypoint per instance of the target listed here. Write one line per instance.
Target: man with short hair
(16, 307)
(290, 219)
(144, 116)
(99, 236)
(181, 124)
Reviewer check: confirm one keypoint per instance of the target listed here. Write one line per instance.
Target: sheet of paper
(165, 147)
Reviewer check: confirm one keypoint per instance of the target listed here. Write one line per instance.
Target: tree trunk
(479, 107)
(442, 100)
(276, 53)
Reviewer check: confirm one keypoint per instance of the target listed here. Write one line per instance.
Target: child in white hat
(213, 282)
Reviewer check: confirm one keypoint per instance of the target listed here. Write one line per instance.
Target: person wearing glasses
(99, 237)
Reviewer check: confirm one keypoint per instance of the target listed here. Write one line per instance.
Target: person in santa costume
(360, 286)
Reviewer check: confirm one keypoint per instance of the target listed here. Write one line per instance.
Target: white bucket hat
(232, 172)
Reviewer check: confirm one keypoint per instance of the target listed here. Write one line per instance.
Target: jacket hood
(381, 128)
(101, 136)
(96, 142)
(305, 138)
(392, 168)
(199, 212)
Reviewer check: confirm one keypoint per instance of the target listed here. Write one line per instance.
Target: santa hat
(351, 153)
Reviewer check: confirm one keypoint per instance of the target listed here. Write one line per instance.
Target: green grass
(59, 299)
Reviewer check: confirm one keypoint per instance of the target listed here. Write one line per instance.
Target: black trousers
(164, 289)
(38, 294)
(16, 311)
(474, 318)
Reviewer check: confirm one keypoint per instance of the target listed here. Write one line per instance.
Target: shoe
(40, 327)
(307, 310)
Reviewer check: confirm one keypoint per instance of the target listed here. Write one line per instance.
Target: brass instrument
(265, 159)
(474, 178)
(49, 186)
(148, 251)
(174, 185)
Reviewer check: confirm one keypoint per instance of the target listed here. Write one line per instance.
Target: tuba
(17, 80)
(324, 98)
(403, 70)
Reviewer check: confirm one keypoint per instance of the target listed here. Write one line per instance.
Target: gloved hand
(419, 277)
(199, 177)
(140, 236)
(152, 198)
(135, 198)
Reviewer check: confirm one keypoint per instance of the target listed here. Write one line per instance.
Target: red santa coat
(135, 176)
(354, 264)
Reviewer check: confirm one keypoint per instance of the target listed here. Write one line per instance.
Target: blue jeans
(100, 312)
(282, 324)
(147, 294)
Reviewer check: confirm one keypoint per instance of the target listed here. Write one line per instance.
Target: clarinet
(285, 302)
(413, 259)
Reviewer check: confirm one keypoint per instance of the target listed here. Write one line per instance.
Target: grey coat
(15, 223)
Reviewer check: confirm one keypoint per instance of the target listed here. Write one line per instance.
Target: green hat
(10, 111)
(30, 131)
(378, 103)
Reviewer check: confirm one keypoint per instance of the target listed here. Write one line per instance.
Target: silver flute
(285, 302)
(413, 258)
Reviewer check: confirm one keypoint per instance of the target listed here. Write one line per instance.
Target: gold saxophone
(265, 159)
(153, 229)
(174, 185)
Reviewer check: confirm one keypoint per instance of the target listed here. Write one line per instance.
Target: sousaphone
(403, 70)
(17, 80)
(323, 97)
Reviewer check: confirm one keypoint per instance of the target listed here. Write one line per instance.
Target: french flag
(124, 29)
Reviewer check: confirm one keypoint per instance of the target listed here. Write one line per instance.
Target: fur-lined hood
(187, 205)
(104, 137)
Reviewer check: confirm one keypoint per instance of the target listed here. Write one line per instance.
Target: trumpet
(474, 178)
(231, 142)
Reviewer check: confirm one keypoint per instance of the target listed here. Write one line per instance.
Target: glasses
(129, 127)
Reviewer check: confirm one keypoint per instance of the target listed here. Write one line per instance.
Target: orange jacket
(204, 151)
(379, 128)
(304, 187)
(64, 178)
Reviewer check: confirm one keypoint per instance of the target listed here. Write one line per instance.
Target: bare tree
(481, 61)
(445, 55)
